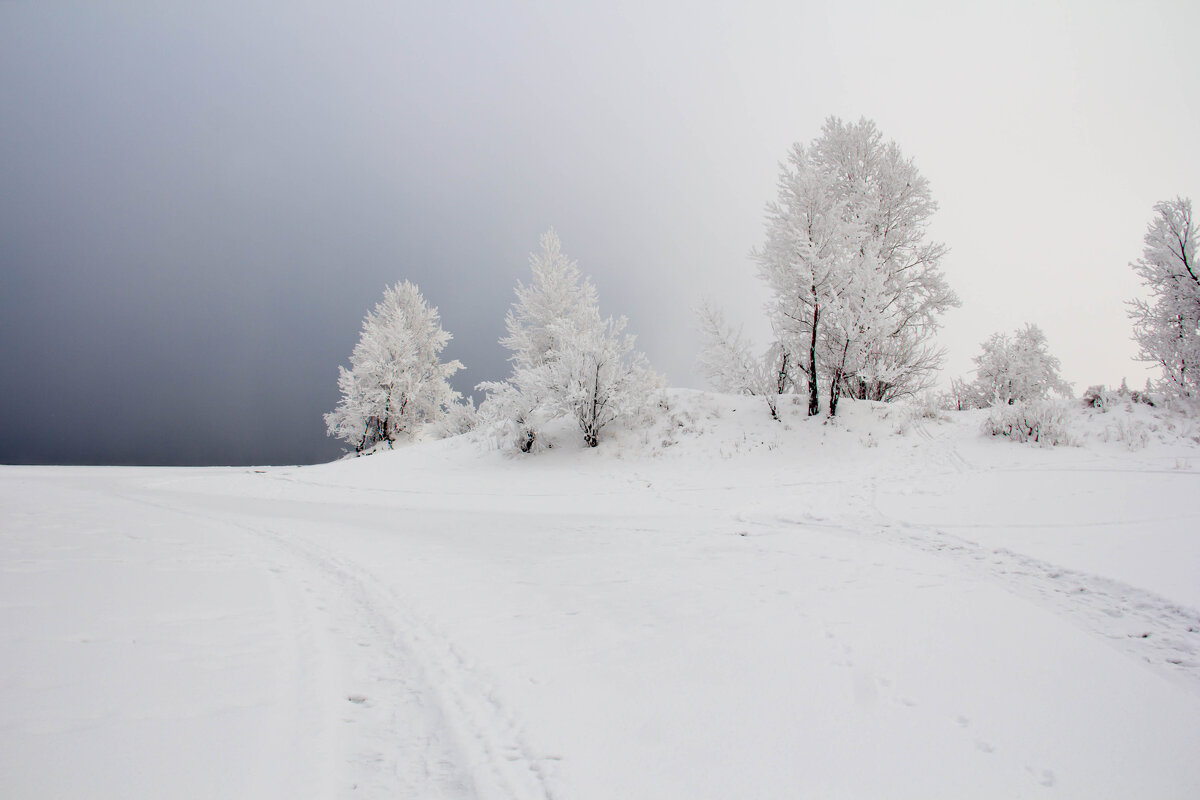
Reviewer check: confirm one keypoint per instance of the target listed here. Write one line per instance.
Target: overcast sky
(199, 201)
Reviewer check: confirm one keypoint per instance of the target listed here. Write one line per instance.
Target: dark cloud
(198, 202)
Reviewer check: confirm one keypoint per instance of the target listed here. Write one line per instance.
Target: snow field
(876, 606)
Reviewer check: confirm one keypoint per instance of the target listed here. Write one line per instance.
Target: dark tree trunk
(814, 398)
(781, 384)
(591, 429)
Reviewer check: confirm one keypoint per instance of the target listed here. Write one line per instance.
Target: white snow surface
(717, 606)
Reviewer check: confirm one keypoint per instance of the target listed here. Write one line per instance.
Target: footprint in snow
(1044, 776)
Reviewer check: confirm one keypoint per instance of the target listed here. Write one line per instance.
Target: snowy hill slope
(717, 605)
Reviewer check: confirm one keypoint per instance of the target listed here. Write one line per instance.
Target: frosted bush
(1104, 399)
(928, 405)
(1099, 397)
(1132, 432)
(1040, 421)
(461, 418)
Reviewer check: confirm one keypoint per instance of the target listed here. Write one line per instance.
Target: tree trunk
(781, 382)
(835, 383)
(814, 399)
(591, 430)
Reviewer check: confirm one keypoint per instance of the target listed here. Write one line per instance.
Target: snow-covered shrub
(1043, 422)
(927, 406)
(1104, 399)
(510, 416)
(460, 418)
(1130, 431)
(1017, 368)
(1098, 397)
(1136, 424)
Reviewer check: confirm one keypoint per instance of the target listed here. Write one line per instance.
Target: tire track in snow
(442, 735)
(501, 763)
(400, 741)
(946, 451)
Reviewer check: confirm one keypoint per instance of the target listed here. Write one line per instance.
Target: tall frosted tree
(856, 285)
(804, 261)
(1167, 325)
(567, 361)
(396, 384)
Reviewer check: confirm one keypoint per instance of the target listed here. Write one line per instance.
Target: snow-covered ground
(719, 606)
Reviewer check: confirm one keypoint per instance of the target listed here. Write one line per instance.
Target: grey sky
(198, 202)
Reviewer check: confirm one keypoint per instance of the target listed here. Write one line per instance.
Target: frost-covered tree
(726, 360)
(558, 298)
(557, 293)
(1017, 368)
(964, 394)
(596, 377)
(1167, 326)
(856, 286)
(804, 261)
(396, 383)
(567, 361)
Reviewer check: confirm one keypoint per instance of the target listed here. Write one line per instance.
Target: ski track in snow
(427, 724)
(1140, 623)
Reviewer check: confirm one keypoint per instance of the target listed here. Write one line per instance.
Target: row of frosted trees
(856, 295)
(568, 362)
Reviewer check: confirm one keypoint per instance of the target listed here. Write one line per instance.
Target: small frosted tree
(1167, 326)
(396, 383)
(1018, 368)
(557, 294)
(727, 363)
(597, 377)
(567, 361)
